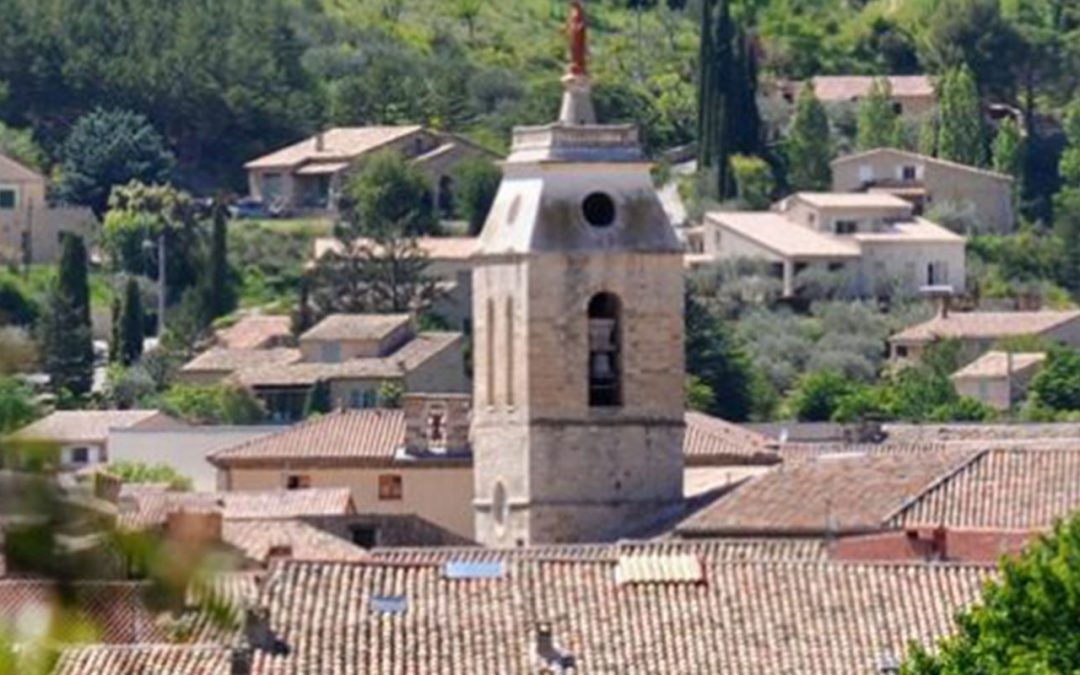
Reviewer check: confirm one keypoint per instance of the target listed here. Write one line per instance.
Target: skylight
(389, 604)
(474, 569)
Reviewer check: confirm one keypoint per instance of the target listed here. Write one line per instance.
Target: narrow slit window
(490, 349)
(509, 352)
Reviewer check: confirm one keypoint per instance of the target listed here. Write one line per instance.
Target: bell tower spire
(577, 107)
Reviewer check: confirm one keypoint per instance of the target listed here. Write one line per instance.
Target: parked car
(248, 207)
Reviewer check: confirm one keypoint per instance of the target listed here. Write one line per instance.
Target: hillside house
(928, 182)
(82, 436)
(978, 331)
(309, 175)
(30, 229)
(913, 96)
(998, 379)
(875, 238)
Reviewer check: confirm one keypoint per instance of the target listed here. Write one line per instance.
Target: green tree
(717, 361)
(319, 400)
(127, 388)
(928, 136)
(140, 472)
(220, 290)
(1008, 150)
(388, 194)
(1069, 165)
(132, 324)
(476, 182)
(18, 144)
(17, 406)
(753, 180)
(817, 396)
(717, 68)
(809, 143)
(1057, 384)
(1067, 231)
(1028, 619)
(66, 344)
(214, 404)
(961, 138)
(878, 126)
(107, 148)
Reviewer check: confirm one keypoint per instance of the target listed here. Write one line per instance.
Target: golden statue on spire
(578, 34)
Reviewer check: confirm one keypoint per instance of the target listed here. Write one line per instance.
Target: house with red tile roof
(82, 436)
(978, 331)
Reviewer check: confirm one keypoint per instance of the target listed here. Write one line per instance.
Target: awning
(321, 168)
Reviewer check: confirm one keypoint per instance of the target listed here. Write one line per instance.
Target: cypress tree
(809, 146)
(878, 126)
(114, 333)
(745, 121)
(131, 325)
(928, 132)
(221, 298)
(66, 342)
(961, 138)
(716, 70)
(318, 399)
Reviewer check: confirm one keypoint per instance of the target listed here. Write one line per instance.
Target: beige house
(927, 182)
(875, 238)
(30, 229)
(978, 331)
(912, 95)
(309, 175)
(354, 355)
(83, 435)
(257, 331)
(450, 262)
(998, 379)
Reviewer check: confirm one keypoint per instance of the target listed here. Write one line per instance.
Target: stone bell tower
(578, 335)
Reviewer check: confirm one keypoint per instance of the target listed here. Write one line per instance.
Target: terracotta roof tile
(1015, 488)
(996, 364)
(144, 659)
(903, 155)
(711, 440)
(356, 327)
(88, 425)
(985, 325)
(258, 538)
(344, 143)
(850, 87)
(853, 200)
(839, 494)
(150, 509)
(255, 332)
(436, 248)
(14, 172)
(747, 617)
(218, 359)
(952, 433)
(776, 233)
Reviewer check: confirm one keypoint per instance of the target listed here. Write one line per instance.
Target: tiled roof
(710, 440)
(255, 332)
(436, 248)
(780, 235)
(14, 172)
(338, 144)
(412, 354)
(152, 508)
(911, 231)
(850, 87)
(218, 359)
(925, 159)
(766, 548)
(348, 434)
(356, 327)
(1016, 488)
(935, 433)
(257, 539)
(852, 200)
(745, 617)
(985, 325)
(995, 364)
(801, 452)
(86, 425)
(839, 494)
(144, 659)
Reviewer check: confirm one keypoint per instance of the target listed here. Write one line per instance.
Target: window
(391, 487)
(364, 536)
(898, 107)
(599, 210)
(937, 273)
(901, 351)
(490, 365)
(7, 198)
(297, 482)
(908, 173)
(80, 455)
(866, 173)
(605, 380)
(272, 186)
(330, 352)
(436, 425)
(500, 505)
(836, 267)
(846, 226)
(509, 353)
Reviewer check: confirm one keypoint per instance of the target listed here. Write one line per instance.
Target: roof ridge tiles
(942, 480)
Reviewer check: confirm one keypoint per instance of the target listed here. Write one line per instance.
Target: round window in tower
(599, 210)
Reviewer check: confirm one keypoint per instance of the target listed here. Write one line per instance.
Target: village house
(82, 436)
(257, 331)
(31, 229)
(309, 175)
(356, 356)
(998, 379)
(929, 182)
(978, 331)
(875, 239)
(913, 96)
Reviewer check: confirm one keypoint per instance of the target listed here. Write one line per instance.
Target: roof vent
(659, 569)
(474, 569)
(389, 604)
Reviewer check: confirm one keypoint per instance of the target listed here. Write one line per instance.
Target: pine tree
(717, 67)
(809, 146)
(878, 127)
(131, 324)
(961, 138)
(66, 342)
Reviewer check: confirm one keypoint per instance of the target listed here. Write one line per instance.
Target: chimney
(944, 306)
(240, 660)
(550, 659)
(941, 537)
(194, 529)
(320, 142)
(279, 552)
(107, 487)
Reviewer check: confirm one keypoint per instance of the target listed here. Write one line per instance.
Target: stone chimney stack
(436, 423)
(194, 529)
(320, 141)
